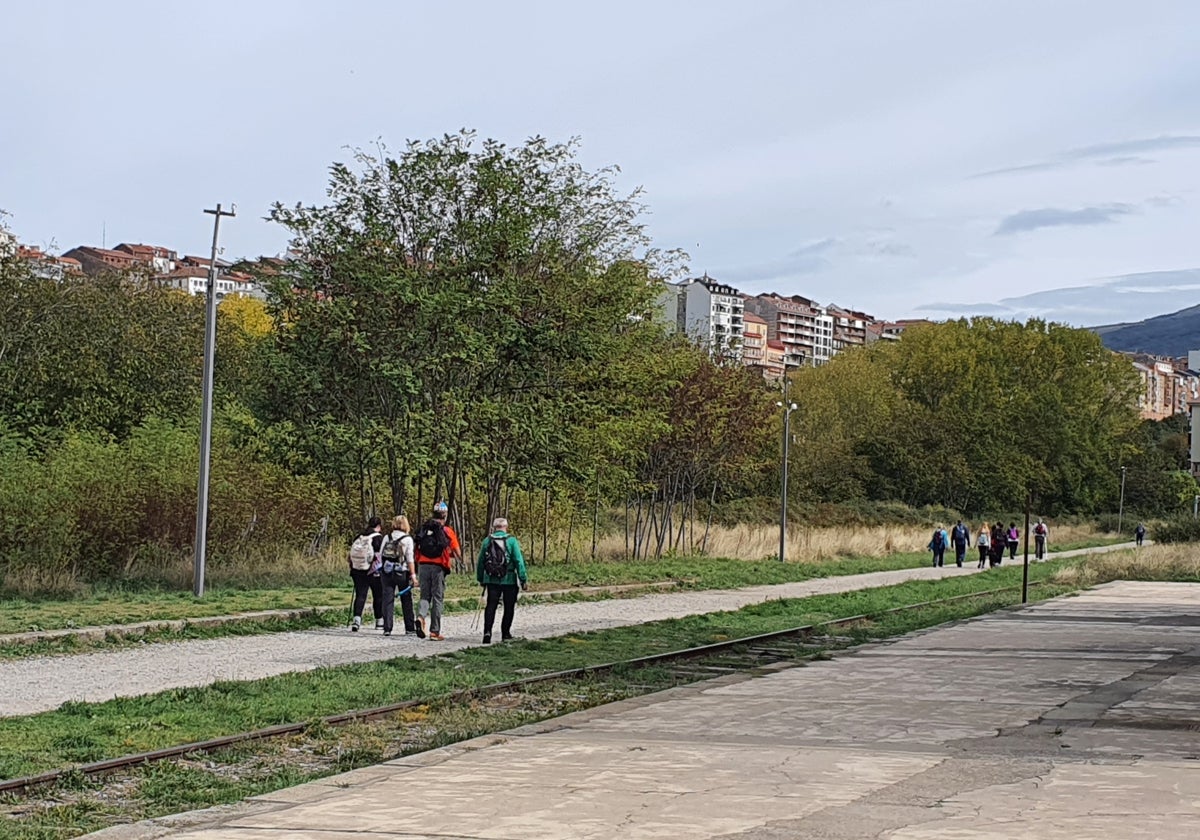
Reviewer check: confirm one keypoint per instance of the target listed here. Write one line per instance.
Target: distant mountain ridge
(1173, 334)
(1117, 301)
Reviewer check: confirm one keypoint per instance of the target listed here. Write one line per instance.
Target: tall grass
(1152, 562)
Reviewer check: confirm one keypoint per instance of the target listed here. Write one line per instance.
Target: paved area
(1074, 718)
(38, 684)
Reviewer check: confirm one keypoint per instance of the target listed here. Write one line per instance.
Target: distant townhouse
(96, 261)
(803, 327)
(193, 279)
(160, 260)
(47, 266)
(711, 314)
(1159, 396)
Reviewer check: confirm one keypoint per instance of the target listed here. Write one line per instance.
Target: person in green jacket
(500, 569)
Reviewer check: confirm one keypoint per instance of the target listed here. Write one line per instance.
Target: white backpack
(362, 552)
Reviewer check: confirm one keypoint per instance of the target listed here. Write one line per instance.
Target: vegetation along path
(39, 684)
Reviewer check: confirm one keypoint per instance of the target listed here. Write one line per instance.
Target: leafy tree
(453, 313)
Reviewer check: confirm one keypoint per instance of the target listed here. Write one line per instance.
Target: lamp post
(1121, 506)
(788, 408)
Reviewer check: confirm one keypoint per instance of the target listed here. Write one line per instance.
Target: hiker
(1139, 534)
(437, 547)
(961, 537)
(397, 573)
(996, 557)
(1013, 537)
(364, 571)
(937, 544)
(500, 569)
(984, 542)
(1040, 535)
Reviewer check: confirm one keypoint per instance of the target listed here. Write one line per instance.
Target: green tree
(452, 316)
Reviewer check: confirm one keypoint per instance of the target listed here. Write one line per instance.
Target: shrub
(91, 508)
(1177, 529)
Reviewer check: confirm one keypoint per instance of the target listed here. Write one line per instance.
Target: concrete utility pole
(210, 348)
(1025, 570)
(788, 408)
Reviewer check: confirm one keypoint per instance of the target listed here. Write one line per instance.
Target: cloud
(1028, 220)
(1120, 153)
(818, 246)
(968, 308)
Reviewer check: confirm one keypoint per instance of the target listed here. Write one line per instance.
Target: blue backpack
(939, 540)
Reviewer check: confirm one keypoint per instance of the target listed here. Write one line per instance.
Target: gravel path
(39, 684)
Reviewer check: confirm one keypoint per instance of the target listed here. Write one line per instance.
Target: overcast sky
(882, 155)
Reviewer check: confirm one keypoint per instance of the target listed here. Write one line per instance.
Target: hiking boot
(379, 624)
(487, 639)
(387, 632)
(437, 637)
(420, 628)
(354, 625)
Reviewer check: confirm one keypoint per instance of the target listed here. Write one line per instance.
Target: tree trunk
(712, 503)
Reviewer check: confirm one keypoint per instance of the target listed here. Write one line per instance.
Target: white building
(711, 314)
(194, 280)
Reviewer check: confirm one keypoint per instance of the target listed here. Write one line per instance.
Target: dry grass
(810, 545)
(1153, 562)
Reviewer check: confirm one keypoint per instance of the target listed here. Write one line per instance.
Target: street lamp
(788, 408)
(1121, 507)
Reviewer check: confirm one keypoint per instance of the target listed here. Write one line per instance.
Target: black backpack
(432, 540)
(495, 557)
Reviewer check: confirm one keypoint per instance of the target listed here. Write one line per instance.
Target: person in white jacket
(398, 570)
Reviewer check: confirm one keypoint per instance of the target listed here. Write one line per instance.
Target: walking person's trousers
(496, 591)
(433, 592)
(392, 583)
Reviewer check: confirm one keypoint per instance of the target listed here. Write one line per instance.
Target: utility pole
(1025, 570)
(210, 348)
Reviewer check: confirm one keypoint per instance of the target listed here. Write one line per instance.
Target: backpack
(495, 557)
(938, 541)
(960, 533)
(432, 540)
(1039, 529)
(392, 551)
(362, 552)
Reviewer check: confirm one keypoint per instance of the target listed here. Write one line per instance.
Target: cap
(440, 507)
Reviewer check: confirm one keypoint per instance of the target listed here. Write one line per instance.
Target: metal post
(1025, 570)
(210, 347)
(787, 413)
(1121, 508)
(1196, 507)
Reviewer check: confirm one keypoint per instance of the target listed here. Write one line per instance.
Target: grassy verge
(125, 607)
(83, 732)
(118, 606)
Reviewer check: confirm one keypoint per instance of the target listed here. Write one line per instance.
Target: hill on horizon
(1173, 334)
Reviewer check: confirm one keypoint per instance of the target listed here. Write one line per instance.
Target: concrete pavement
(1074, 718)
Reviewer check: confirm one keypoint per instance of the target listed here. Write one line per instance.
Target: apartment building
(711, 314)
(47, 266)
(849, 327)
(96, 261)
(759, 352)
(160, 260)
(802, 326)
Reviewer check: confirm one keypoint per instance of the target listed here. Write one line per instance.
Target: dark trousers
(364, 581)
(983, 555)
(1012, 549)
(960, 553)
(1039, 545)
(391, 583)
(496, 591)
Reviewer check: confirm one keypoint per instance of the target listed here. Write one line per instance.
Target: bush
(91, 508)
(1177, 529)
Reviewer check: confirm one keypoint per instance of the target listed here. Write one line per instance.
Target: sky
(903, 157)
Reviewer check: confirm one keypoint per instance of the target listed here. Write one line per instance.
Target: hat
(440, 507)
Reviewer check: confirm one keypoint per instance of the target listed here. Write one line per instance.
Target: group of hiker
(392, 564)
(991, 541)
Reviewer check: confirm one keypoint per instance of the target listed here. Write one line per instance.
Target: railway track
(740, 655)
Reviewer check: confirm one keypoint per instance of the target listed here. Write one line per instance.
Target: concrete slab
(1076, 718)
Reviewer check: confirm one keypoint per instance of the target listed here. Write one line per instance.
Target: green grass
(120, 606)
(83, 732)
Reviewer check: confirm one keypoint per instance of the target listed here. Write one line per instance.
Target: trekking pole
(478, 613)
